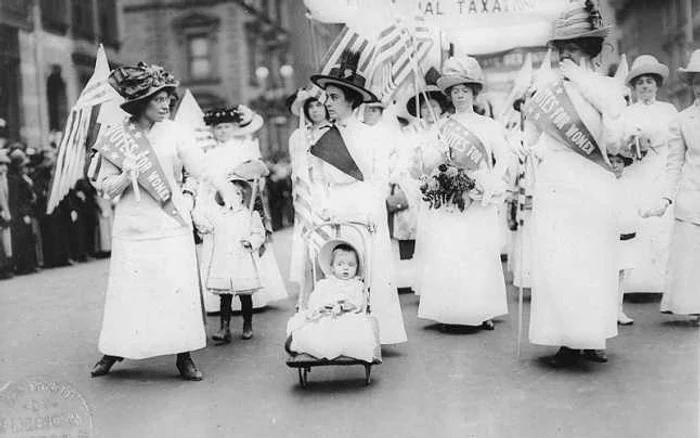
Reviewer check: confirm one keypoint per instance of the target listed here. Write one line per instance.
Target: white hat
(647, 65)
(693, 67)
(325, 256)
(460, 71)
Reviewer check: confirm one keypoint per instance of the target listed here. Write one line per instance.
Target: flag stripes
(304, 212)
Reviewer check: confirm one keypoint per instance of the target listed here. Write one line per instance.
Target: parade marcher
(152, 304)
(6, 265)
(350, 168)
(237, 235)
(427, 108)
(683, 192)
(233, 128)
(575, 232)
(649, 119)
(462, 280)
(314, 122)
(21, 202)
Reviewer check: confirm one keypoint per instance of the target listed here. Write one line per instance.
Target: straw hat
(693, 67)
(579, 20)
(135, 84)
(460, 71)
(345, 75)
(646, 65)
(325, 256)
(245, 120)
(296, 102)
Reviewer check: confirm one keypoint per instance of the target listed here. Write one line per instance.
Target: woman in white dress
(649, 119)
(153, 304)
(233, 128)
(575, 229)
(462, 279)
(427, 108)
(356, 188)
(314, 121)
(682, 295)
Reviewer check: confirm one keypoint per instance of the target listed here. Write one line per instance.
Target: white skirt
(462, 279)
(682, 295)
(575, 269)
(152, 305)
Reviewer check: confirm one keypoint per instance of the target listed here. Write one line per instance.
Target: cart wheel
(368, 372)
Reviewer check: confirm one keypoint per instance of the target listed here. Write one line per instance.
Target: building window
(56, 96)
(54, 15)
(199, 40)
(107, 15)
(83, 18)
(199, 56)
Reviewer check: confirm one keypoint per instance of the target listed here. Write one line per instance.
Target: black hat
(345, 75)
(137, 83)
(246, 120)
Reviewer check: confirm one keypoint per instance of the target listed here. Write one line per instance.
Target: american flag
(307, 217)
(81, 131)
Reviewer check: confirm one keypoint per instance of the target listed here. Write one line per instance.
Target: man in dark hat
(21, 202)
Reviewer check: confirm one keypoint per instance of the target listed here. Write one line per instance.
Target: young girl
(628, 223)
(333, 323)
(237, 235)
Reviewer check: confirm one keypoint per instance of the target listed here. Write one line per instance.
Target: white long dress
(461, 278)
(348, 198)
(648, 180)
(225, 157)
(575, 229)
(152, 304)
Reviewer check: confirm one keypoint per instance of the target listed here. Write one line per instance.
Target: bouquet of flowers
(448, 186)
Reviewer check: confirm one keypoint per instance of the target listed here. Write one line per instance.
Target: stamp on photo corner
(43, 408)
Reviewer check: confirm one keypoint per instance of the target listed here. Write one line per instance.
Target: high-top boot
(188, 370)
(247, 313)
(224, 333)
(104, 365)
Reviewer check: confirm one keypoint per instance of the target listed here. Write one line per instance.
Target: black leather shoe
(595, 356)
(104, 365)
(187, 368)
(565, 357)
(488, 325)
(247, 330)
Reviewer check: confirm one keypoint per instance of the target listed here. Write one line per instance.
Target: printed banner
(466, 149)
(120, 140)
(551, 108)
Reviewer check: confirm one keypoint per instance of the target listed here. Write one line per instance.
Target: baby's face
(344, 265)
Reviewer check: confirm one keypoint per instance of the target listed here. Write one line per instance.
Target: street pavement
(466, 384)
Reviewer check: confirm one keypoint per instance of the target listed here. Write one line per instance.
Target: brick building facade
(46, 57)
(667, 29)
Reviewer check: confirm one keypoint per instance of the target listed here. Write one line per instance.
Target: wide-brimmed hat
(579, 20)
(693, 67)
(297, 100)
(431, 92)
(137, 83)
(462, 70)
(325, 256)
(345, 75)
(646, 65)
(18, 158)
(245, 120)
(245, 185)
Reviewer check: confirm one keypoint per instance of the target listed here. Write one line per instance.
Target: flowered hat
(137, 83)
(579, 20)
(647, 65)
(458, 71)
(325, 256)
(345, 75)
(692, 69)
(246, 121)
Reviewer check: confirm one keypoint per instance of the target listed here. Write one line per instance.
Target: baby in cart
(334, 322)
